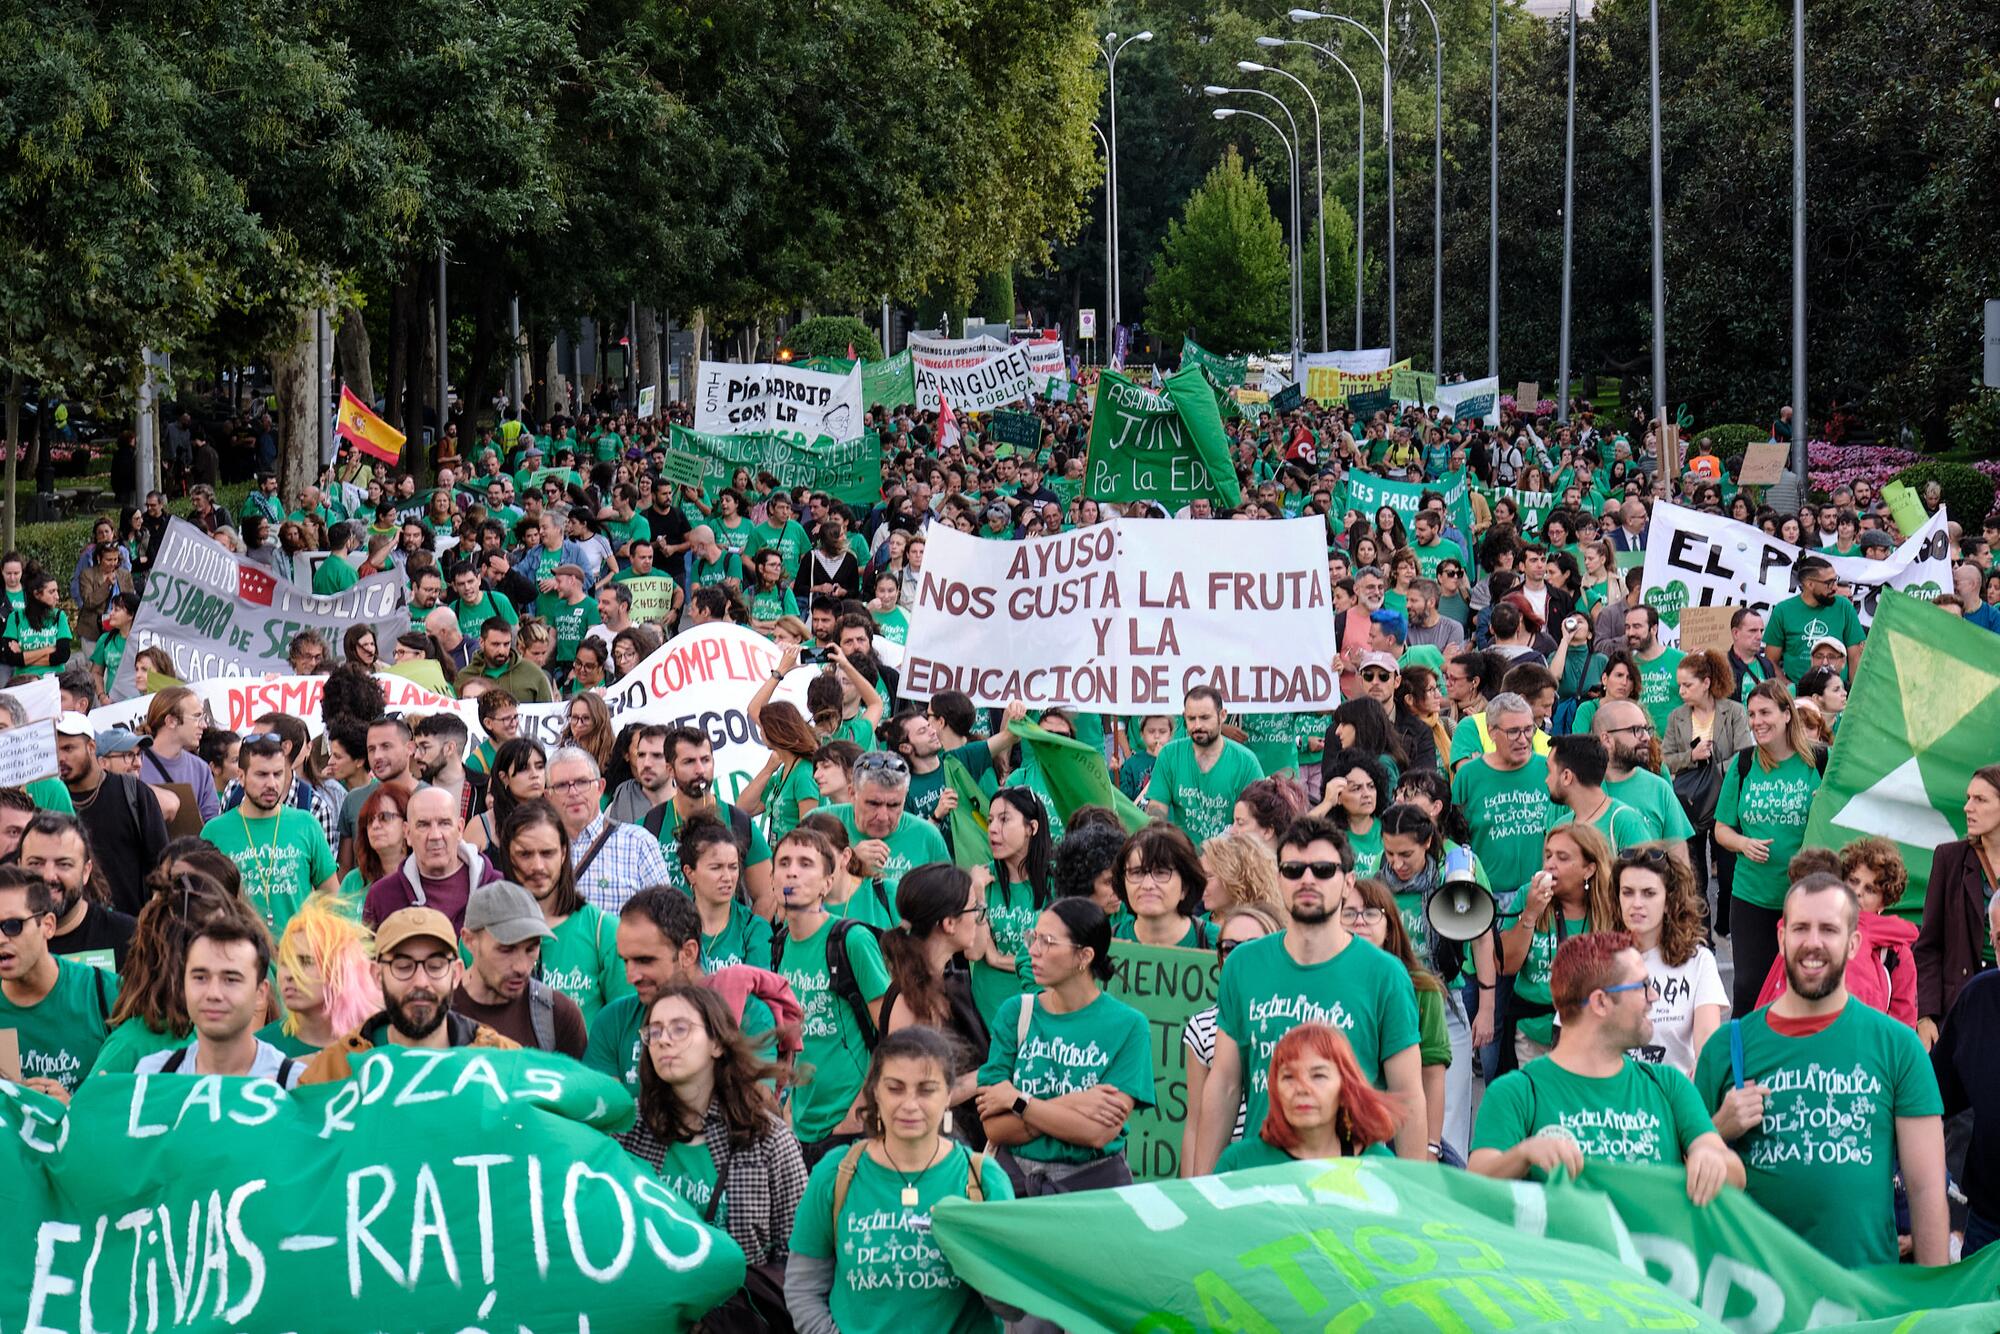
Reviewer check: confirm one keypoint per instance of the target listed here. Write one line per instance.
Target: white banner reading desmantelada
(1124, 617)
(733, 399)
(973, 378)
(1705, 560)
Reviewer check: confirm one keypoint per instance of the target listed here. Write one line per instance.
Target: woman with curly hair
(1264, 809)
(1660, 909)
(1241, 870)
(324, 977)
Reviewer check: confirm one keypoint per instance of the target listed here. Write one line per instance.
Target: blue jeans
(1979, 1232)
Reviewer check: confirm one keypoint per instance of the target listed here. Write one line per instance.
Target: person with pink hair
(324, 976)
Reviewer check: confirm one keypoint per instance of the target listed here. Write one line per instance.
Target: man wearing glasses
(55, 1007)
(888, 841)
(1817, 612)
(416, 963)
(1504, 795)
(1627, 733)
(1588, 1100)
(1315, 971)
(611, 861)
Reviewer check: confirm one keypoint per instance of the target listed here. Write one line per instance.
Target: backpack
(1744, 758)
(840, 969)
(850, 1162)
(179, 1059)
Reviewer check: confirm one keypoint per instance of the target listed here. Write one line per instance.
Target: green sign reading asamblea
(1168, 447)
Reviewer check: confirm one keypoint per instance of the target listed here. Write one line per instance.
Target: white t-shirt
(269, 1061)
(1679, 990)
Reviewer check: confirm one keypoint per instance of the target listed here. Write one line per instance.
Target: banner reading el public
(457, 1189)
(848, 470)
(1704, 560)
(1122, 617)
(219, 614)
(734, 399)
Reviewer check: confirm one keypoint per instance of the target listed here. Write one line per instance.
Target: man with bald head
(442, 625)
(1626, 730)
(442, 869)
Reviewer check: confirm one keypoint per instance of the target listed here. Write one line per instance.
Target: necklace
(909, 1196)
(250, 845)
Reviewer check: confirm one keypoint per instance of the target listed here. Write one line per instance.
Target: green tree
(1339, 276)
(1223, 269)
(832, 336)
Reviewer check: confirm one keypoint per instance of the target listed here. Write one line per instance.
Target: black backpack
(1745, 756)
(839, 970)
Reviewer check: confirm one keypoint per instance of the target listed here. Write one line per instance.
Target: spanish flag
(373, 436)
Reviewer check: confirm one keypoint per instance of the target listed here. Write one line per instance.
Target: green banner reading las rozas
(1167, 447)
(1377, 1244)
(437, 1190)
(847, 470)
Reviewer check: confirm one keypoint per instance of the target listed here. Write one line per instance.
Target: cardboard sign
(1706, 628)
(1670, 448)
(28, 753)
(1764, 464)
(1526, 395)
(649, 397)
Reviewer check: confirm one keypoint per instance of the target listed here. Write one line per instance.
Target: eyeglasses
(1159, 875)
(402, 967)
(1638, 729)
(672, 1033)
(574, 786)
(11, 927)
(1375, 674)
(1643, 984)
(976, 911)
(1038, 942)
(1320, 870)
(1514, 733)
(1223, 948)
(1361, 916)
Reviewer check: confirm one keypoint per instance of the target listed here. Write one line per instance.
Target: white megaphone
(1459, 908)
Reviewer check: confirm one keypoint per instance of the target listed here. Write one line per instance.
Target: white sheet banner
(1046, 361)
(973, 379)
(1704, 560)
(1471, 398)
(41, 697)
(735, 399)
(1351, 361)
(955, 347)
(1124, 617)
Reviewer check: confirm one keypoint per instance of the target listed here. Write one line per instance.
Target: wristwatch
(1020, 1105)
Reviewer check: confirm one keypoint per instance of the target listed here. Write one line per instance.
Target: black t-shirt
(514, 1020)
(671, 526)
(102, 928)
(127, 835)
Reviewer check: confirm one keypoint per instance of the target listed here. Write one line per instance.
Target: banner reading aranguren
(1123, 617)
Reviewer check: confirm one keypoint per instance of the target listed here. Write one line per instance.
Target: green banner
(1408, 386)
(681, 469)
(1076, 774)
(1167, 447)
(1361, 1244)
(436, 1190)
(1169, 986)
(1364, 406)
(1923, 715)
(1023, 430)
(1368, 493)
(1534, 506)
(1289, 399)
(652, 596)
(1225, 371)
(848, 470)
(889, 383)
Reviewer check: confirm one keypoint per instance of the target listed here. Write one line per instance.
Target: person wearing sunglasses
(417, 966)
(1589, 1100)
(56, 1007)
(1315, 970)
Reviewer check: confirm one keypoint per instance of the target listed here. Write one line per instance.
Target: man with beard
(1627, 733)
(1315, 970)
(280, 850)
(504, 932)
(1196, 778)
(390, 749)
(1657, 664)
(1830, 1099)
(121, 814)
(440, 741)
(416, 964)
(442, 869)
(690, 760)
(1590, 1101)
(651, 782)
(55, 847)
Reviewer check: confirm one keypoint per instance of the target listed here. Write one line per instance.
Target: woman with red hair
(1321, 1107)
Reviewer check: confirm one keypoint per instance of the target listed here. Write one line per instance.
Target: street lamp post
(1388, 136)
(1111, 49)
(1659, 238)
(1493, 206)
(1360, 165)
(1110, 242)
(1569, 210)
(1298, 279)
(1319, 182)
(1799, 460)
(1437, 191)
(1291, 154)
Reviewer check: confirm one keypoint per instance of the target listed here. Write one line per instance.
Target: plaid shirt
(763, 1183)
(305, 797)
(629, 861)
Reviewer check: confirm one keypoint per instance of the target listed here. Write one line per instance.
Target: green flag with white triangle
(1923, 714)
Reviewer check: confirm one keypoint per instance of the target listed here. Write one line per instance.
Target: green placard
(1169, 986)
(1413, 387)
(681, 469)
(848, 470)
(1023, 430)
(1364, 406)
(652, 596)
(1168, 448)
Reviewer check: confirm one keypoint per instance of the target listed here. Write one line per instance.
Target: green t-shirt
(1434, 555)
(1361, 991)
(834, 1044)
(926, 788)
(1508, 812)
(614, 1048)
(1823, 1162)
(1198, 935)
(61, 1034)
(1642, 1114)
(797, 784)
(1367, 847)
(1433, 1036)
(702, 573)
(733, 536)
(670, 837)
(745, 938)
(110, 651)
(893, 625)
(1010, 915)
(56, 631)
(1653, 798)
(858, 730)
(570, 622)
(581, 960)
(915, 842)
(1531, 984)
(1618, 822)
(1658, 695)
(131, 1041)
(1105, 1042)
(282, 858)
(689, 1170)
(624, 531)
(275, 1034)
(1202, 804)
(472, 615)
(889, 1277)
(1793, 626)
(790, 541)
(335, 574)
(1769, 804)
(769, 604)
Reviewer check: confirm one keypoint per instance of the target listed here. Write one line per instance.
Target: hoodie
(1881, 975)
(404, 888)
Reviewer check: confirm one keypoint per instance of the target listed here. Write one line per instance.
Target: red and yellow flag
(370, 434)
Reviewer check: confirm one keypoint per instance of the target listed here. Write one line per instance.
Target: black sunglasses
(11, 927)
(1320, 870)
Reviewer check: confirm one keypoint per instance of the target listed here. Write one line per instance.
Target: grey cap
(507, 910)
(1874, 539)
(117, 741)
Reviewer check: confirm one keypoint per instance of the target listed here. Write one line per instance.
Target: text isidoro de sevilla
(1124, 618)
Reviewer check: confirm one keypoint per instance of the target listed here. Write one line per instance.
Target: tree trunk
(399, 357)
(13, 458)
(548, 390)
(293, 366)
(649, 354)
(352, 353)
(476, 385)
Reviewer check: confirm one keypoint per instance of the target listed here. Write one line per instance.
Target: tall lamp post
(1437, 191)
(1569, 210)
(1110, 241)
(1799, 460)
(1298, 187)
(1360, 167)
(1319, 182)
(1111, 48)
(1291, 154)
(1659, 237)
(1493, 205)
(1388, 135)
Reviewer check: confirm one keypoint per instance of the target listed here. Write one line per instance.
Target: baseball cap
(571, 569)
(507, 910)
(407, 924)
(74, 724)
(117, 741)
(1382, 660)
(1827, 641)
